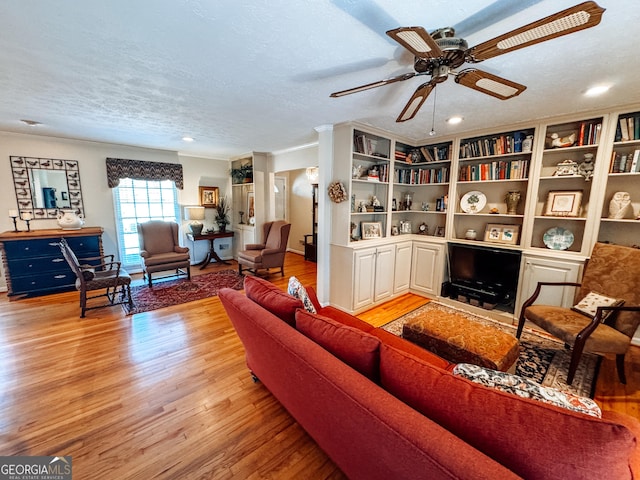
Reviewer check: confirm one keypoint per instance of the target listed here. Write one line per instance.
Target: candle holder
(15, 222)
(28, 221)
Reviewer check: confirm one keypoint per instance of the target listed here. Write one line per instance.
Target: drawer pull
(54, 244)
(60, 276)
(57, 260)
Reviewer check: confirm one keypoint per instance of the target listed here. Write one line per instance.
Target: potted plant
(242, 174)
(222, 210)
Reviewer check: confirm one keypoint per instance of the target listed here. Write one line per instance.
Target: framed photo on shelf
(371, 230)
(251, 204)
(498, 233)
(209, 197)
(563, 203)
(439, 232)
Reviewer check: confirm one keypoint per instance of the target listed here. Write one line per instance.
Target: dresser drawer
(32, 248)
(36, 265)
(43, 281)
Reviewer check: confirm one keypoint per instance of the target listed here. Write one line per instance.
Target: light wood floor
(166, 394)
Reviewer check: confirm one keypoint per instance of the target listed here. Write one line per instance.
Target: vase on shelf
(512, 199)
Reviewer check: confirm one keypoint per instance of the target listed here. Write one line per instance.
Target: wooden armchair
(102, 273)
(160, 250)
(269, 254)
(613, 271)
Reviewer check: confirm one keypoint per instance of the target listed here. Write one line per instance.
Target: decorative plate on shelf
(558, 238)
(473, 202)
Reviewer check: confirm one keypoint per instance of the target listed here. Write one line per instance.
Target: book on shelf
(625, 163)
(496, 170)
(628, 128)
(589, 133)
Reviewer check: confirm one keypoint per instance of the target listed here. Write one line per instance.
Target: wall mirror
(45, 185)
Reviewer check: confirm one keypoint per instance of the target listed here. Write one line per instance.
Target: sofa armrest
(179, 249)
(144, 254)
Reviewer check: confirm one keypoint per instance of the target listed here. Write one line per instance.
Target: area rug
(174, 292)
(542, 359)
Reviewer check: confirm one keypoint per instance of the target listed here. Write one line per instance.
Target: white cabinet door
(402, 270)
(385, 262)
(364, 277)
(539, 269)
(426, 268)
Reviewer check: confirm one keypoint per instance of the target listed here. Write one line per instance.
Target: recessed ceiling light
(31, 123)
(597, 90)
(187, 139)
(454, 120)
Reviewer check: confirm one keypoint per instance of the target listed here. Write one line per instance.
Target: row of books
(424, 154)
(497, 170)
(367, 146)
(589, 133)
(421, 176)
(483, 147)
(628, 128)
(625, 163)
(379, 173)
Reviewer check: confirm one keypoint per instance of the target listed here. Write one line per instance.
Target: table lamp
(195, 214)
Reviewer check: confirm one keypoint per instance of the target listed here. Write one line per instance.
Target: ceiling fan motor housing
(453, 53)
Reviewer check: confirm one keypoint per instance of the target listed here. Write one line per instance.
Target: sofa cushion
(271, 298)
(345, 318)
(523, 387)
(297, 290)
(354, 347)
(533, 439)
(408, 347)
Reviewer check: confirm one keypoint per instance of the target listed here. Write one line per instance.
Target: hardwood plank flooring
(166, 394)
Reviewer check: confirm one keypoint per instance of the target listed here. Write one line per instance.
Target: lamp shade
(194, 213)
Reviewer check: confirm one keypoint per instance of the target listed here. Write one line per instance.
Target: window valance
(118, 168)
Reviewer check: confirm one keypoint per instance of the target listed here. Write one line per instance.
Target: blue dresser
(34, 265)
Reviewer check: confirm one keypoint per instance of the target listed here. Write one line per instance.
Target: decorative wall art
(209, 196)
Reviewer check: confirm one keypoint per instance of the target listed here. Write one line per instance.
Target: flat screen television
(485, 274)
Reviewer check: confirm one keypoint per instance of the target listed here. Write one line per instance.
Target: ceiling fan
(439, 53)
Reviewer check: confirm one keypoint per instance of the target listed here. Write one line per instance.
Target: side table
(212, 256)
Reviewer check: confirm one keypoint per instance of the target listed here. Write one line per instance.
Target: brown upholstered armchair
(613, 271)
(100, 273)
(269, 254)
(160, 250)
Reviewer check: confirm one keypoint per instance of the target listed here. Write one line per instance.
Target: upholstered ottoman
(462, 340)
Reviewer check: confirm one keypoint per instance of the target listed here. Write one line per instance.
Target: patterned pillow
(526, 388)
(88, 272)
(296, 289)
(589, 304)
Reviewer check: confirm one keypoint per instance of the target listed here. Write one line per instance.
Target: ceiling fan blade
(417, 40)
(399, 78)
(578, 17)
(490, 84)
(415, 102)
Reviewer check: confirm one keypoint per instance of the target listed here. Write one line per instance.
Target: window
(139, 201)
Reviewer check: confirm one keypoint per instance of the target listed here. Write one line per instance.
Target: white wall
(97, 196)
(300, 204)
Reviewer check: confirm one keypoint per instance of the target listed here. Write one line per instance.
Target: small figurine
(620, 206)
(566, 167)
(374, 201)
(586, 167)
(362, 208)
(567, 141)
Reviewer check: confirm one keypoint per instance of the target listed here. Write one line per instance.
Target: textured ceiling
(243, 75)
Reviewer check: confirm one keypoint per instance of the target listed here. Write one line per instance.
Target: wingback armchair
(160, 250)
(612, 271)
(102, 273)
(270, 253)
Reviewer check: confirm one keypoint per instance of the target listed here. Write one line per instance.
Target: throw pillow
(358, 349)
(589, 304)
(88, 272)
(296, 290)
(526, 388)
(271, 298)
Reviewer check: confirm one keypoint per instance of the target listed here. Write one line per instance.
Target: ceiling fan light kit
(439, 53)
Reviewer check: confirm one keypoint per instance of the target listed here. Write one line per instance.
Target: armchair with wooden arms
(269, 254)
(612, 271)
(106, 275)
(160, 250)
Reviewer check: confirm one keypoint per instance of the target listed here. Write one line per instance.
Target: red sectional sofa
(383, 408)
